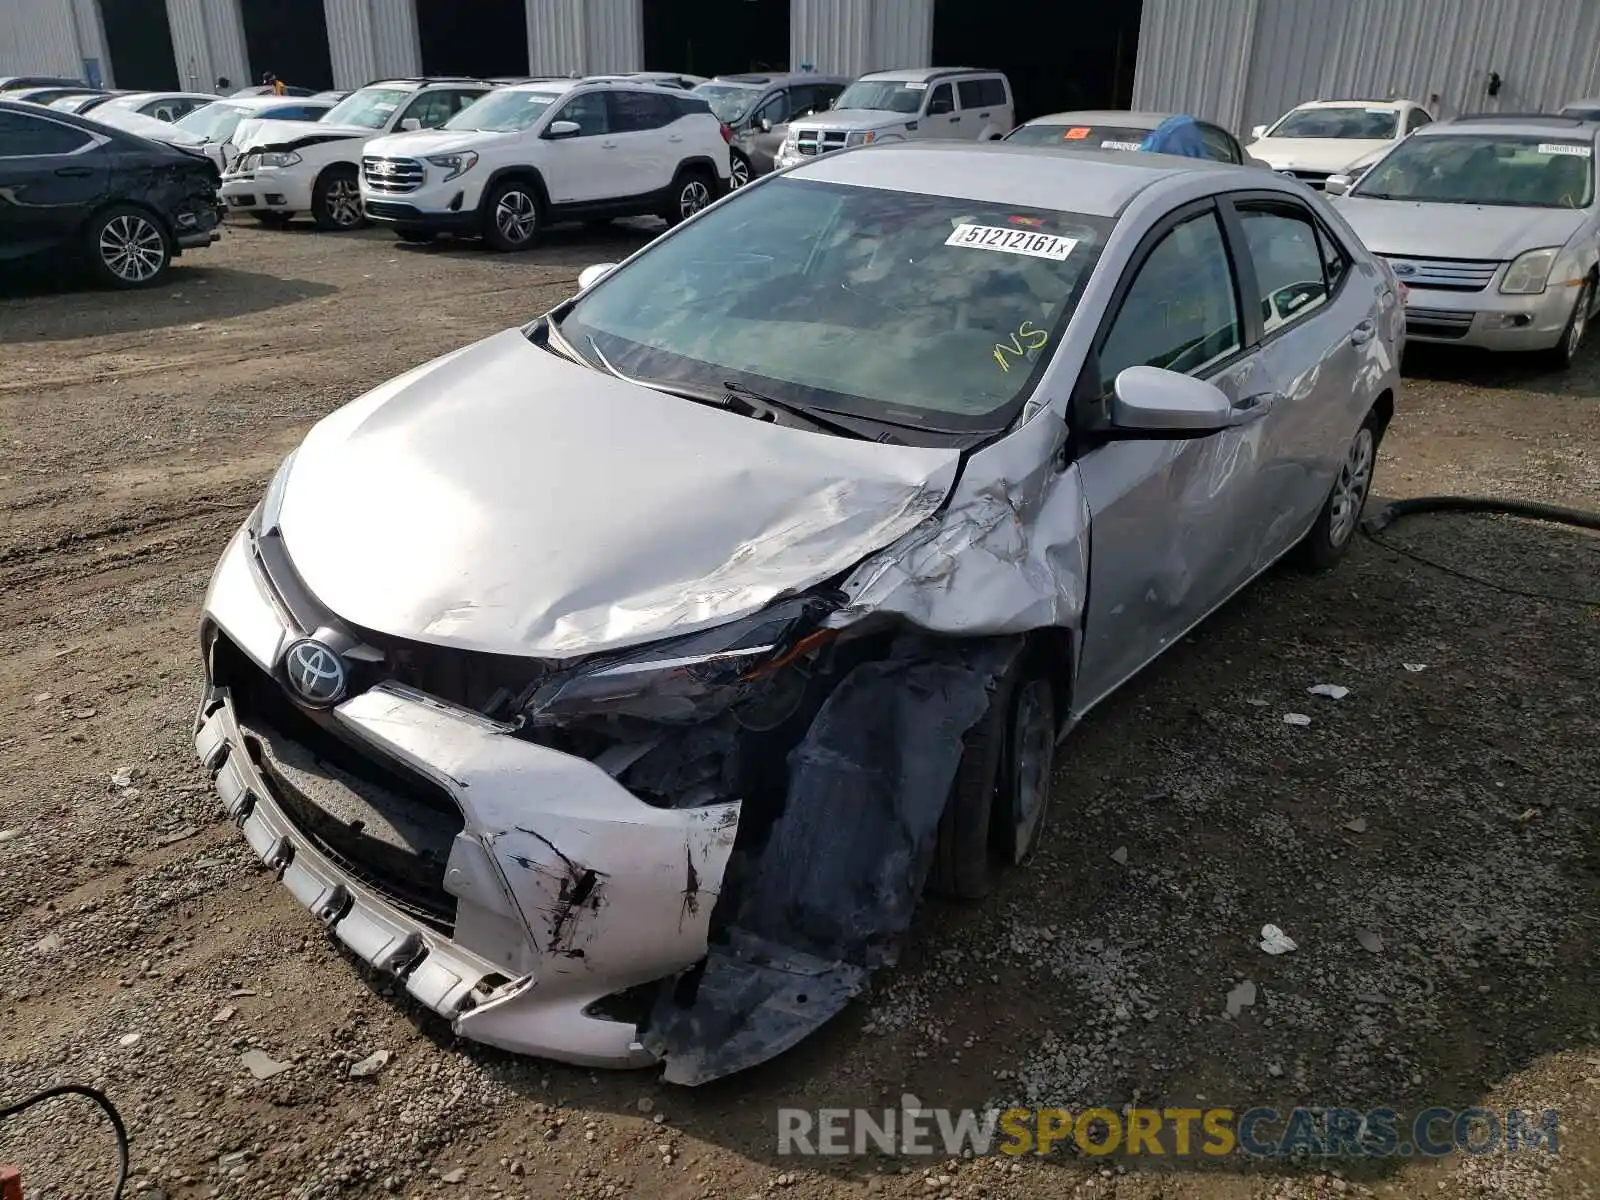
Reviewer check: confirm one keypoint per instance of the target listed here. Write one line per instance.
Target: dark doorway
(139, 44)
(290, 39)
(716, 37)
(1076, 54)
(493, 41)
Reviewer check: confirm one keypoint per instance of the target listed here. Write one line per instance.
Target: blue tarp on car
(1176, 135)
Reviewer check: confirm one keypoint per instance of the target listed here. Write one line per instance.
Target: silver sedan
(618, 683)
(1493, 225)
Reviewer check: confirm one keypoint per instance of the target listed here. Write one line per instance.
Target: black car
(73, 187)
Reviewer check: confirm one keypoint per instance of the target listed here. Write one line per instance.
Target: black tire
(273, 220)
(692, 190)
(417, 237)
(988, 826)
(740, 172)
(1565, 352)
(336, 200)
(1335, 528)
(127, 247)
(513, 215)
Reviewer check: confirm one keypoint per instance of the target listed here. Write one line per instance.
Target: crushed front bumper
(266, 189)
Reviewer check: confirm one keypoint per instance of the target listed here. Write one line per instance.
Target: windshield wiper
(729, 392)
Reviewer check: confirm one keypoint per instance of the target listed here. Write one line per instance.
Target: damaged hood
(266, 133)
(506, 500)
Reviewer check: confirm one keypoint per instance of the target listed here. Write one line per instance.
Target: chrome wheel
(1033, 744)
(344, 203)
(1350, 492)
(738, 172)
(515, 216)
(694, 196)
(132, 248)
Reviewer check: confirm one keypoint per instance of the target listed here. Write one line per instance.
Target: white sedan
(1325, 137)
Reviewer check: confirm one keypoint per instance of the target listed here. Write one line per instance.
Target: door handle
(74, 172)
(1362, 333)
(1253, 408)
(983, 116)
(955, 118)
(677, 137)
(608, 145)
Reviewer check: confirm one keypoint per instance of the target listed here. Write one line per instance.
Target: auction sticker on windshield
(1119, 145)
(1565, 148)
(1012, 241)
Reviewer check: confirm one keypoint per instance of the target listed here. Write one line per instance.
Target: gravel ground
(1429, 840)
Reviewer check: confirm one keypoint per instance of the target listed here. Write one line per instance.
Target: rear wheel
(691, 192)
(127, 247)
(511, 215)
(995, 816)
(739, 170)
(336, 199)
(1336, 524)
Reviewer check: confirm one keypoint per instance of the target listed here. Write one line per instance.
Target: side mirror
(410, 125)
(766, 125)
(593, 274)
(1153, 400)
(1337, 185)
(563, 129)
(1258, 132)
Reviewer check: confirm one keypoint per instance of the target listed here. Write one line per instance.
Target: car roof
(928, 74)
(763, 79)
(1104, 116)
(130, 99)
(1530, 125)
(1353, 100)
(421, 81)
(1092, 182)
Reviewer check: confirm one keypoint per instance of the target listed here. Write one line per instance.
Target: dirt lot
(1449, 810)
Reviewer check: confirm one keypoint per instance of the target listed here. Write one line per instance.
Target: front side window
(500, 112)
(1518, 171)
(910, 308)
(1288, 260)
(775, 110)
(429, 111)
(885, 95)
(369, 108)
(588, 112)
(24, 136)
(943, 100)
(1338, 121)
(1181, 311)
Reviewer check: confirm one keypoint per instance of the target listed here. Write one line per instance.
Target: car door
(1319, 323)
(1172, 536)
(646, 151)
(585, 166)
(52, 176)
(769, 125)
(942, 119)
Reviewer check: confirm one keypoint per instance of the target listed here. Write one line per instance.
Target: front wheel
(1565, 352)
(995, 816)
(1336, 524)
(511, 216)
(336, 200)
(127, 247)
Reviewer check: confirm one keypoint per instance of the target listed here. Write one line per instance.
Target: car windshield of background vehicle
(503, 112)
(153, 128)
(369, 108)
(1512, 172)
(729, 101)
(903, 307)
(214, 122)
(884, 95)
(1340, 121)
(1080, 137)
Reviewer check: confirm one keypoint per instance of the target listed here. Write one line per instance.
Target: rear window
(1081, 137)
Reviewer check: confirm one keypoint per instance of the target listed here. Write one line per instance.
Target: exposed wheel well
(1053, 649)
(118, 202)
(351, 168)
(524, 175)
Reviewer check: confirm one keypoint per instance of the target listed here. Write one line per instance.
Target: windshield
(503, 112)
(1081, 137)
(1520, 172)
(908, 308)
(1338, 121)
(729, 101)
(214, 122)
(887, 95)
(370, 108)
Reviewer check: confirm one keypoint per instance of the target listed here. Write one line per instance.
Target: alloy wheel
(515, 216)
(344, 203)
(695, 196)
(1032, 756)
(132, 248)
(1580, 322)
(738, 172)
(1350, 492)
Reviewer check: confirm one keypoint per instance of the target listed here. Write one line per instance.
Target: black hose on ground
(75, 1089)
(1372, 526)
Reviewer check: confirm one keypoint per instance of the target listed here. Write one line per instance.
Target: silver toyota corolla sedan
(1493, 226)
(619, 682)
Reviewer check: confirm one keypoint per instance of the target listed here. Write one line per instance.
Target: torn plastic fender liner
(1009, 555)
(833, 890)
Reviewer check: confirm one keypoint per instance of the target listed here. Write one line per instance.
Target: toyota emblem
(316, 673)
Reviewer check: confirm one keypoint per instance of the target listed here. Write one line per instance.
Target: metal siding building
(370, 39)
(585, 36)
(41, 37)
(1245, 62)
(852, 37)
(207, 42)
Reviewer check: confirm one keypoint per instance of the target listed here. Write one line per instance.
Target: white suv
(960, 103)
(586, 149)
(289, 167)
